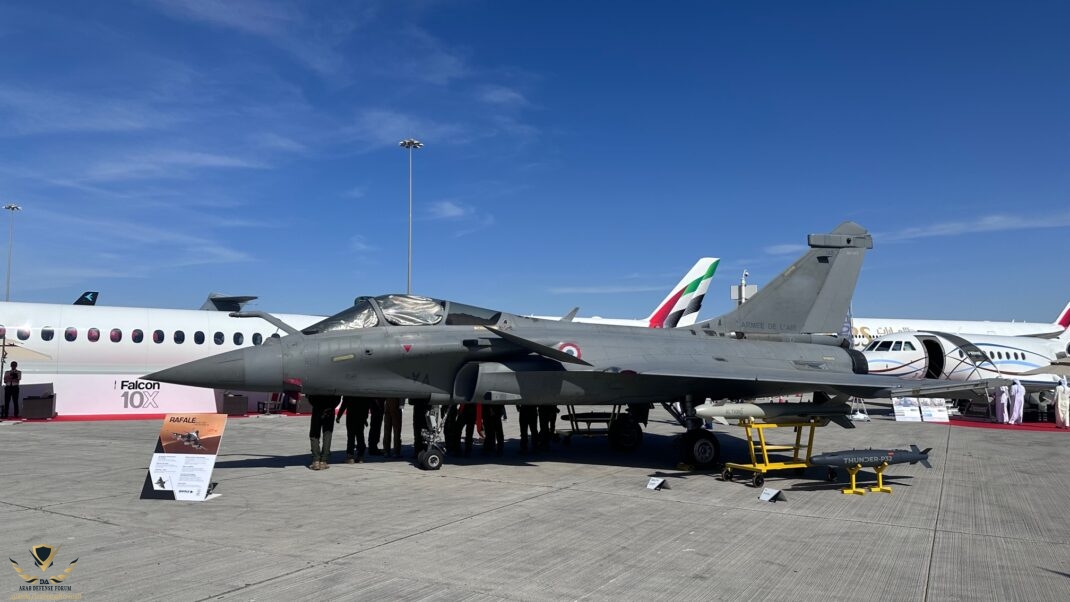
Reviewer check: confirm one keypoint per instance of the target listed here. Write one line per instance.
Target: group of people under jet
(1010, 404)
(385, 419)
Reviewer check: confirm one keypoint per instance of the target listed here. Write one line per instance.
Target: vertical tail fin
(813, 295)
(87, 298)
(1064, 318)
(681, 306)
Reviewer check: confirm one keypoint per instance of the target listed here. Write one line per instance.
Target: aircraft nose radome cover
(219, 371)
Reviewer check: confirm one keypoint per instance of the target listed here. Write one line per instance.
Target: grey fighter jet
(784, 340)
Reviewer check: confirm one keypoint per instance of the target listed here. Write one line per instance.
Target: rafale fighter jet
(191, 439)
(784, 340)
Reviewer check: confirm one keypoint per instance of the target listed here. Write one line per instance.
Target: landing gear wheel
(432, 459)
(726, 474)
(625, 434)
(700, 449)
(420, 457)
(830, 476)
(758, 480)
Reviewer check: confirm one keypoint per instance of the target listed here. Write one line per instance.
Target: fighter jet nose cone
(220, 371)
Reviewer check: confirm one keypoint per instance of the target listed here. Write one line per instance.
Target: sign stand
(657, 484)
(772, 495)
(185, 455)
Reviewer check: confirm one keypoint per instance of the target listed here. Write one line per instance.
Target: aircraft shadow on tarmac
(657, 452)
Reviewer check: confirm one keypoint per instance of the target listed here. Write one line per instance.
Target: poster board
(185, 455)
(906, 409)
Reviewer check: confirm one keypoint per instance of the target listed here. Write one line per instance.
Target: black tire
(420, 457)
(625, 434)
(758, 480)
(700, 449)
(433, 459)
(726, 474)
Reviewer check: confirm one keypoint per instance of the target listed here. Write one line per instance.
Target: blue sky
(577, 153)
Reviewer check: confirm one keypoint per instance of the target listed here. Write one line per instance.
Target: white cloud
(273, 141)
(164, 164)
(987, 223)
(603, 290)
(448, 210)
(383, 127)
(360, 244)
(501, 95)
(37, 111)
(312, 41)
(786, 249)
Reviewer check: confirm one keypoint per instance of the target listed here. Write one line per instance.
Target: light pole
(411, 144)
(12, 207)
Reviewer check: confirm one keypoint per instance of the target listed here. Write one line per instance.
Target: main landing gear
(433, 457)
(698, 447)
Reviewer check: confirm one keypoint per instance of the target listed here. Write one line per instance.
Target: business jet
(962, 357)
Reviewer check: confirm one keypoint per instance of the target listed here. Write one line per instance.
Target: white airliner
(864, 330)
(92, 357)
(679, 308)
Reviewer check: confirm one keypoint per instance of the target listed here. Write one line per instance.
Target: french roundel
(571, 349)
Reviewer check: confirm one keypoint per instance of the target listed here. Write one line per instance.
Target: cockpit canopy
(404, 310)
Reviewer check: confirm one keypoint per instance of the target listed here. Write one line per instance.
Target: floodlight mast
(411, 144)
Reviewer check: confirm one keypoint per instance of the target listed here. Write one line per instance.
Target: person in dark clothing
(322, 429)
(419, 423)
(355, 410)
(467, 419)
(529, 423)
(452, 430)
(547, 424)
(375, 406)
(494, 439)
(12, 378)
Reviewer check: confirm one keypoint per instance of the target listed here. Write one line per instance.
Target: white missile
(777, 412)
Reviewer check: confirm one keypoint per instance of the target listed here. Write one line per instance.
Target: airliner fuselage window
(257, 338)
(219, 338)
(93, 335)
(116, 335)
(137, 335)
(239, 338)
(47, 333)
(180, 337)
(70, 334)
(24, 334)
(198, 337)
(158, 336)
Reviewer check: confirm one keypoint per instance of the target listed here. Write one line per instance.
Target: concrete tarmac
(987, 522)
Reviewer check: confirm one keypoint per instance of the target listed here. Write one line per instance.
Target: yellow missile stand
(759, 450)
(853, 471)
